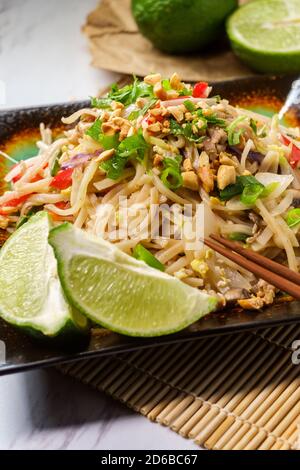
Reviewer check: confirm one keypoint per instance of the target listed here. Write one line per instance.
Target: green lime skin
(180, 26)
(265, 37)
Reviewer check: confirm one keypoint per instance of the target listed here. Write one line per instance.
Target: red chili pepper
(13, 203)
(199, 90)
(18, 176)
(37, 177)
(295, 152)
(61, 204)
(63, 179)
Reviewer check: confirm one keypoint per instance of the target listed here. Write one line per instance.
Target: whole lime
(179, 26)
(265, 34)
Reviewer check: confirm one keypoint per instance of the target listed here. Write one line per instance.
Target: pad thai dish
(162, 142)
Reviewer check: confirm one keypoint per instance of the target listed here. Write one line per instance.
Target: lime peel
(121, 293)
(31, 296)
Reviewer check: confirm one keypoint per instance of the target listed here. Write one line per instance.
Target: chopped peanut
(158, 111)
(226, 175)
(159, 91)
(177, 112)
(153, 78)
(156, 127)
(117, 105)
(108, 128)
(140, 102)
(203, 159)
(187, 164)
(188, 116)
(117, 112)
(172, 94)
(190, 180)
(175, 82)
(227, 159)
(207, 178)
(158, 159)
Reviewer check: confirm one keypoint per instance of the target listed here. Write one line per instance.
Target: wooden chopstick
(262, 260)
(282, 283)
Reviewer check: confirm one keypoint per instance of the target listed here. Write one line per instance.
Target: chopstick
(287, 281)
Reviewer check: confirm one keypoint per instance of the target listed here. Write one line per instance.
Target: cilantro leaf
(130, 93)
(101, 103)
(134, 146)
(106, 141)
(248, 187)
(142, 112)
(211, 118)
(186, 131)
(95, 130)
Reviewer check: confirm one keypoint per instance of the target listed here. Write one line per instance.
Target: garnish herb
(141, 253)
(106, 141)
(101, 103)
(248, 187)
(293, 217)
(171, 175)
(233, 134)
(130, 93)
(185, 130)
(211, 118)
(55, 166)
(253, 126)
(166, 85)
(185, 91)
(189, 105)
(238, 236)
(134, 146)
(141, 112)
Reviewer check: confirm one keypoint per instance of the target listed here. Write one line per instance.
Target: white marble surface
(44, 59)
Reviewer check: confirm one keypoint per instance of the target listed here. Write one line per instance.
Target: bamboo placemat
(231, 392)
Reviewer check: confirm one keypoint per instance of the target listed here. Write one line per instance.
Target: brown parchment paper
(116, 45)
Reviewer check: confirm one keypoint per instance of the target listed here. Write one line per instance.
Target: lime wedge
(120, 292)
(31, 296)
(265, 34)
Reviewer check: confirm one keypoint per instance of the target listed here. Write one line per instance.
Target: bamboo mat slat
(238, 392)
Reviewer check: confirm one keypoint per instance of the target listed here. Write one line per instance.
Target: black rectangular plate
(25, 352)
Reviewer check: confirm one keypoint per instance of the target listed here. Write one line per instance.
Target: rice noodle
(91, 198)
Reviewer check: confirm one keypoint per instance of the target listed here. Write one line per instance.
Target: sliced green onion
(253, 125)
(166, 85)
(269, 189)
(233, 135)
(189, 105)
(293, 217)
(238, 236)
(55, 166)
(171, 178)
(141, 253)
(251, 193)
